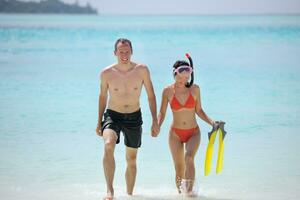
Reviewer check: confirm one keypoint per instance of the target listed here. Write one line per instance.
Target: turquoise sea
(248, 68)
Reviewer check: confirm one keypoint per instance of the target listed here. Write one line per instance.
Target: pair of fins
(218, 127)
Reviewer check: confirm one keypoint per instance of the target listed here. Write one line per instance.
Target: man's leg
(131, 154)
(110, 138)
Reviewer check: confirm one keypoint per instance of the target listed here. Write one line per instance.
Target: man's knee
(109, 146)
(131, 159)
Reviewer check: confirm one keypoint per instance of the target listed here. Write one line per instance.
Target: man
(123, 81)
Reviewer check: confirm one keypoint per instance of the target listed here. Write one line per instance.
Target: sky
(191, 7)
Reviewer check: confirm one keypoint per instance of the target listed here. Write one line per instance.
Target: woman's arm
(163, 107)
(199, 111)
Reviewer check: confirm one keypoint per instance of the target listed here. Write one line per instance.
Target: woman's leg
(176, 147)
(191, 148)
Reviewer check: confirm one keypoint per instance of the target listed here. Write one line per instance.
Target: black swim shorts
(129, 123)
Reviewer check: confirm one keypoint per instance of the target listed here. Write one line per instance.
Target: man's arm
(151, 99)
(102, 101)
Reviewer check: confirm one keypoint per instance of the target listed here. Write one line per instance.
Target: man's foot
(109, 196)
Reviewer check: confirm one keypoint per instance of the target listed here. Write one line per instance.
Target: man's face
(123, 53)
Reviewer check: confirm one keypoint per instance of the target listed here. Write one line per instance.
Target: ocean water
(248, 69)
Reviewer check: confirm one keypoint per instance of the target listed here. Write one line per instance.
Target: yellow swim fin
(222, 134)
(210, 148)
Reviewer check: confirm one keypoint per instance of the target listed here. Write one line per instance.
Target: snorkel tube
(192, 75)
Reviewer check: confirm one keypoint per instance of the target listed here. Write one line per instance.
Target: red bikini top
(190, 103)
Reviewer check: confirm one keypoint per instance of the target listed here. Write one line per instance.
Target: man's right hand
(99, 129)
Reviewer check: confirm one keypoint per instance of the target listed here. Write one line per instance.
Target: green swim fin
(210, 148)
(222, 134)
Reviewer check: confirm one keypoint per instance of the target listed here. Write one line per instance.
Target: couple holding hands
(123, 82)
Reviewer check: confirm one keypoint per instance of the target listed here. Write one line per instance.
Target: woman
(184, 135)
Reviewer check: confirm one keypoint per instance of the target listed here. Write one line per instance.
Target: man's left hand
(155, 129)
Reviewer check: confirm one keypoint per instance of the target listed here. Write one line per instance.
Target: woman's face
(182, 76)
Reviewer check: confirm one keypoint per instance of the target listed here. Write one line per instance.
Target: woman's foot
(178, 184)
(189, 185)
(191, 194)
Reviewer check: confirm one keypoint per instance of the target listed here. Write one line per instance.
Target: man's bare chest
(119, 82)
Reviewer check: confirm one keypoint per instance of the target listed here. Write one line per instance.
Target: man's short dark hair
(123, 40)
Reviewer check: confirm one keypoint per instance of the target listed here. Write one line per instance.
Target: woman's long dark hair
(179, 63)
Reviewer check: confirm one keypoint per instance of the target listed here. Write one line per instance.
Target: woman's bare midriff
(184, 119)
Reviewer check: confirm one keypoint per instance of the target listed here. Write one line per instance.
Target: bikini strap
(191, 94)
(173, 88)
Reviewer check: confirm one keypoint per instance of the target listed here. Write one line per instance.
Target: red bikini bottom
(185, 134)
